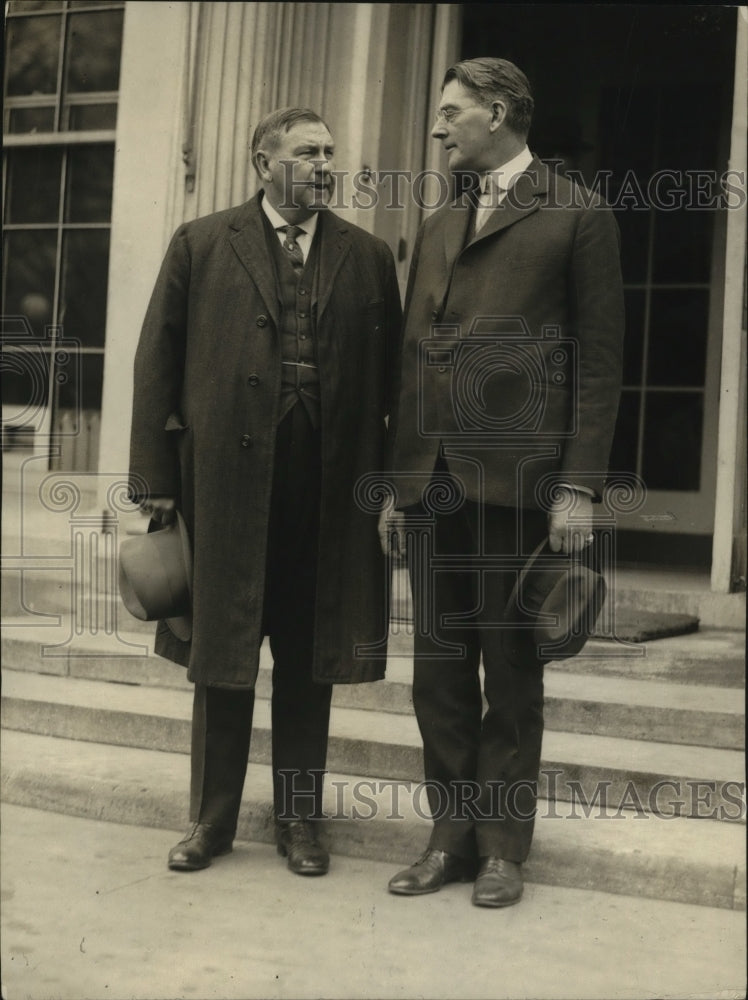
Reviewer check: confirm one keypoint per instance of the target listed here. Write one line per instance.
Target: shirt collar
(278, 222)
(506, 175)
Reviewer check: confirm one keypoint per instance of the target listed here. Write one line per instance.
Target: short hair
(492, 79)
(275, 125)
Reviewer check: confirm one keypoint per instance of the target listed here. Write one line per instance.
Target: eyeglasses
(449, 113)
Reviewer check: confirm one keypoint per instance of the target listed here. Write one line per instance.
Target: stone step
(677, 859)
(661, 777)
(604, 704)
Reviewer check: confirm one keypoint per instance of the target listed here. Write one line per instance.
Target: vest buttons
(246, 440)
(435, 315)
(262, 320)
(302, 291)
(441, 369)
(303, 315)
(253, 379)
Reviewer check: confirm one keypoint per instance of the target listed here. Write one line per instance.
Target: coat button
(441, 369)
(262, 320)
(246, 440)
(253, 379)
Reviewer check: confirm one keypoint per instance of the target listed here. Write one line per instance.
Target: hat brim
(179, 625)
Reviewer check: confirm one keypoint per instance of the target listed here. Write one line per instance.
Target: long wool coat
(512, 347)
(205, 411)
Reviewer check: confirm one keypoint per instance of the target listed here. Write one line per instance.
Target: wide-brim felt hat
(560, 598)
(155, 576)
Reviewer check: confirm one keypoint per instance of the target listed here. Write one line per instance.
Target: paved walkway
(90, 911)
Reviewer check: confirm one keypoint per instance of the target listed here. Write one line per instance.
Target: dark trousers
(481, 767)
(300, 708)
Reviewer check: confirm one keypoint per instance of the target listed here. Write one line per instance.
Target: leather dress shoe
(499, 883)
(432, 870)
(196, 850)
(297, 840)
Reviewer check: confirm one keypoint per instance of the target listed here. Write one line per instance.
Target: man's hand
(570, 521)
(391, 529)
(163, 510)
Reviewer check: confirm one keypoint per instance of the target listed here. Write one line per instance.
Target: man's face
(463, 126)
(297, 172)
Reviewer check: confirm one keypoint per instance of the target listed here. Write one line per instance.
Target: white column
(730, 496)
(147, 168)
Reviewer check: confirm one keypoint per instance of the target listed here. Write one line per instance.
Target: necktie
(491, 196)
(292, 248)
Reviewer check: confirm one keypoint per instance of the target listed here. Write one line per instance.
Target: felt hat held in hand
(563, 598)
(155, 576)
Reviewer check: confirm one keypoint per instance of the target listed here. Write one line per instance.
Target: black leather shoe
(196, 850)
(499, 883)
(297, 841)
(432, 870)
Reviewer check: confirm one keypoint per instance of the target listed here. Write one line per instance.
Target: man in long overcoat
(510, 380)
(261, 392)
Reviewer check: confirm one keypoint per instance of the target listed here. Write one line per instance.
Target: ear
(262, 163)
(498, 115)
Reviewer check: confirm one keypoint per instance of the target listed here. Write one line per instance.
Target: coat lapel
(250, 246)
(334, 244)
(458, 219)
(522, 200)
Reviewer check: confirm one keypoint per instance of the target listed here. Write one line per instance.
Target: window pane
(85, 269)
(32, 120)
(672, 440)
(25, 5)
(89, 184)
(677, 337)
(633, 343)
(33, 191)
(33, 55)
(83, 117)
(29, 276)
(93, 53)
(634, 225)
(623, 453)
(82, 388)
(683, 246)
(24, 380)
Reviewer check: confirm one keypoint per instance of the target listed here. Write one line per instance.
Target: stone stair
(642, 780)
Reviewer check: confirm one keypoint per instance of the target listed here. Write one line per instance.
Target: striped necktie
(291, 246)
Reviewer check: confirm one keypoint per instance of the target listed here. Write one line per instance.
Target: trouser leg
(221, 729)
(512, 727)
(446, 686)
(300, 706)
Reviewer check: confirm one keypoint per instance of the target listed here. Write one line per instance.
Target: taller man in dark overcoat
(509, 388)
(261, 392)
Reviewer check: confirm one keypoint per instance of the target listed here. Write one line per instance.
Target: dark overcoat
(205, 411)
(512, 346)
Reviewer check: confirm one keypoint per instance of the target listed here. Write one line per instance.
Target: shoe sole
(185, 866)
(425, 892)
(497, 904)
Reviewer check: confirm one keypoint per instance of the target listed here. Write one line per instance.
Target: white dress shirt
(308, 227)
(496, 183)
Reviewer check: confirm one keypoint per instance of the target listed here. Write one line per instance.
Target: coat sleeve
(596, 297)
(158, 375)
(394, 328)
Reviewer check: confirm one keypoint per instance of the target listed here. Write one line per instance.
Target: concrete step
(637, 855)
(601, 703)
(665, 778)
